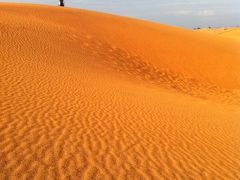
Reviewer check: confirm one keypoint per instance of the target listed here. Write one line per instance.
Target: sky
(183, 13)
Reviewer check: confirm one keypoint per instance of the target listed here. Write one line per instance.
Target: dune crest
(95, 96)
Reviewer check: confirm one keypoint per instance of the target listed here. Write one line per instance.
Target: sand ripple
(114, 102)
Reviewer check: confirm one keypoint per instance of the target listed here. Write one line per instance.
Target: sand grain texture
(85, 95)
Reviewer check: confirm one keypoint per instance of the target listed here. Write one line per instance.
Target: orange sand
(96, 96)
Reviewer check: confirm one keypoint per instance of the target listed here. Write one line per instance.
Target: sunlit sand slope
(225, 32)
(95, 96)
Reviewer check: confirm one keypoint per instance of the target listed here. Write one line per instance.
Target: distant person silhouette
(61, 2)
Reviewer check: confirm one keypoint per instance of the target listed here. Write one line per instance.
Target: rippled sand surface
(85, 95)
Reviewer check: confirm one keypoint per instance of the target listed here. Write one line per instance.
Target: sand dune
(233, 32)
(96, 96)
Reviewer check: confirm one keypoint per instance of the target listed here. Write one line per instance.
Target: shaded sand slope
(95, 96)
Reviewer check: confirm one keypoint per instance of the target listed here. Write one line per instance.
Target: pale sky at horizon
(183, 13)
